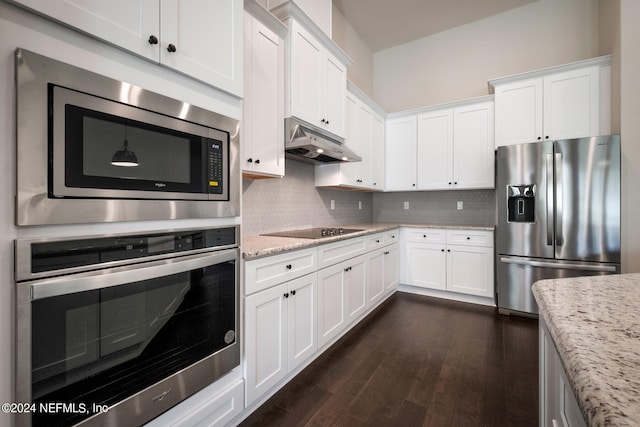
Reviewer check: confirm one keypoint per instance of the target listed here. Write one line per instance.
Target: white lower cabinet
(298, 303)
(458, 261)
(280, 332)
(341, 297)
(558, 404)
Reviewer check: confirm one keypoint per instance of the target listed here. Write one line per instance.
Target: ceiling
(386, 23)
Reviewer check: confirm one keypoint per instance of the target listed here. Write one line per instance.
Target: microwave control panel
(215, 171)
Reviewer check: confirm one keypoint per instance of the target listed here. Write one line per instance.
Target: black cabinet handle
(293, 292)
(468, 238)
(289, 266)
(539, 138)
(441, 250)
(250, 160)
(449, 183)
(386, 253)
(448, 250)
(171, 48)
(153, 39)
(286, 295)
(257, 161)
(377, 241)
(455, 183)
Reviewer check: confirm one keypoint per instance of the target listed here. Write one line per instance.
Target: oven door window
(102, 346)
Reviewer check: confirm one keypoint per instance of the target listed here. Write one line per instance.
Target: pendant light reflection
(124, 157)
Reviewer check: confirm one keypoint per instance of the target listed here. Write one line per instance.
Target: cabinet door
(426, 265)
(435, 150)
(572, 104)
(349, 171)
(473, 146)
(377, 152)
(334, 92)
(470, 270)
(331, 302)
(263, 119)
(376, 282)
(302, 324)
(308, 68)
(518, 109)
(265, 340)
(391, 268)
(125, 23)
(207, 36)
(400, 150)
(356, 287)
(365, 172)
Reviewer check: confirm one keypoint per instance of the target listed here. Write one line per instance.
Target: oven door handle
(105, 278)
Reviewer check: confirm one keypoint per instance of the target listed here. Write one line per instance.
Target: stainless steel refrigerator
(558, 207)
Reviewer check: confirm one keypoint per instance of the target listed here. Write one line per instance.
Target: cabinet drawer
(470, 238)
(334, 253)
(263, 273)
(379, 240)
(426, 235)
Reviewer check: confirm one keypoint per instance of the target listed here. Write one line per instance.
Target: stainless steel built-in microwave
(93, 149)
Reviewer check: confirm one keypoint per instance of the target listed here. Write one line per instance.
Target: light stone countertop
(259, 246)
(595, 325)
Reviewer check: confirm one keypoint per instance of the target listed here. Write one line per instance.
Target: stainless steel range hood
(312, 144)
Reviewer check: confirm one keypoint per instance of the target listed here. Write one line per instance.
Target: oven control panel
(52, 255)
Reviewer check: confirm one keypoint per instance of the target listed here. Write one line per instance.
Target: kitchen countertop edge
(259, 246)
(593, 322)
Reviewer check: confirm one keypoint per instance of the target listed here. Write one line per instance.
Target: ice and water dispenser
(521, 201)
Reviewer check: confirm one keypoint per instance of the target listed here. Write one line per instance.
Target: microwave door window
(97, 144)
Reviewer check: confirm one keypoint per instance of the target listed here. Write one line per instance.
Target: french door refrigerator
(558, 208)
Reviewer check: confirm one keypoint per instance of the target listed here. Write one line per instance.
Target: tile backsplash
(292, 202)
(436, 207)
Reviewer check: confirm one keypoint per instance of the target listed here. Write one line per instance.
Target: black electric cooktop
(314, 233)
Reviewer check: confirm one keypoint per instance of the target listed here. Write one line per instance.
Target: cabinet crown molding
(454, 104)
(356, 91)
(598, 61)
(290, 10)
(267, 18)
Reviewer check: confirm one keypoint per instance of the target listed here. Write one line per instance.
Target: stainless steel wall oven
(123, 327)
(93, 149)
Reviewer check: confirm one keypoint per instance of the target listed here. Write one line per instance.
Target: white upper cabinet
(200, 38)
(316, 75)
(318, 82)
(568, 101)
(473, 146)
(263, 118)
(364, 134)
(442, 148)
(400, 152)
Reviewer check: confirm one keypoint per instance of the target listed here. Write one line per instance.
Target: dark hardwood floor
(418, 361)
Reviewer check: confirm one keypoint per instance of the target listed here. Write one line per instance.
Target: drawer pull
(378, 241)
(286, 295)
(468, 238)
(386, 253)
(289, 266)
(293, 292)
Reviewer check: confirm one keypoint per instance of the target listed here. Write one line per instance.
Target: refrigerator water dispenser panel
(521, 201)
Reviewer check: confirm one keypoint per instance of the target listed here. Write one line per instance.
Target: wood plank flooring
(418, 361)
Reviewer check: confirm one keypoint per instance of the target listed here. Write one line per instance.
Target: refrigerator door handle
(549, 199)
(558, 200)
(565, 266)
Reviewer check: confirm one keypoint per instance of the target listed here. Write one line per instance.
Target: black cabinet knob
(441, 250)
(468, 238)
(448, 250)
(539, 138)
(257, 161)
(289, 267)
(153, 39)
(449, 183)
(293, 292)
(171, 48)
(286, 295)
(250, 160)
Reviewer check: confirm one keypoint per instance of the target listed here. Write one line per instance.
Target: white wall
(456, 64)
(19, 28)
(360, 72)
(630, 133)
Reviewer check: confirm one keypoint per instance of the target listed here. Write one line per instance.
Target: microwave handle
(105, 278)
